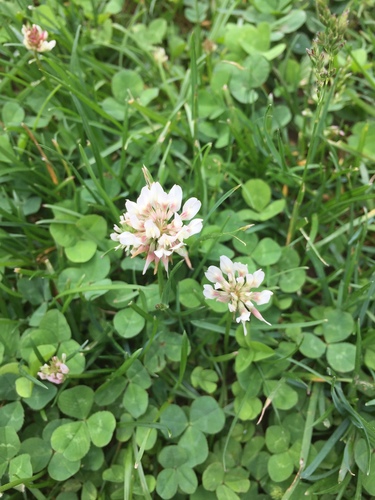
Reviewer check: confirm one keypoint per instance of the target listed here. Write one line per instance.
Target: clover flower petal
(35, 38)
(151, 225)
(190, 208)
(55, 371)
(215, 275)
(233, 284)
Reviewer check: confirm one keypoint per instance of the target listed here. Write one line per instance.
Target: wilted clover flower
(153, 226)
(34, 38)
(236, 289)
(55, 371)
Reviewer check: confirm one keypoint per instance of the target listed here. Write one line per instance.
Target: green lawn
(187, 258)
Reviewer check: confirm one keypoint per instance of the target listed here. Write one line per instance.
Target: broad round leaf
(291, 22)
(128, 323)
(256, 193)
(112, 107)
(94, 459)
(77, 401)
(172, 345)
(126, 84)
(251, 450)
(55, 323)
(39, 450)
(213, 476)
(272, 209)
(70, 277)
(339, 325)
(108, 392)
(283, 396)
(10, 443)
(205, 378)
(258, 468)
(210, 104)
(135, 400)
(101, 426)
(267, 252)
(138, 374)
(172, 456)
(115, 474)
(341, 356)
(12, 415)
(187, 480)
(237, 479)
(247, 408)
(190, 293)
(216, 250)
(312, 346)
(280, 467)
(292, 281)
(7, 384)
(97, 268)
(254, 39)
(52, 426)
(12, 114)
(65, 235)
(241, 87)
(20, 467)
(206, 415)
(149, 297)
(82, 251)
(156, 31)
(251, 381)
(261, 351)
(245, 242)
(196, 446)
(124, 431)
(258, 69)
(92, 226)
(243, 359)
(277, 439)
(175, 420)
(146, 437)
(72, 440)
(120, 298)
(60, 468)
(223, 492)
(362, 456)
(368, 481)
(40, 396)
(167, 483)
(89, 491)
(289, 258)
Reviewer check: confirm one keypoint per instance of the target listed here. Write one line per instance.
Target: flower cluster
(34, 38)
(152, 225)
(159, 55)
(236, 289)
(55, 371)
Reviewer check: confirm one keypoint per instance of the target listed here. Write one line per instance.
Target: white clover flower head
(159, 55)
(235, 289)
(55, 371)
(152, 226)
(35, 39)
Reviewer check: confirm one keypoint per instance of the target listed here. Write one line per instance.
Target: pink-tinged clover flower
(152, 225)
(35, 39)
(55, 371)
(235, 289)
